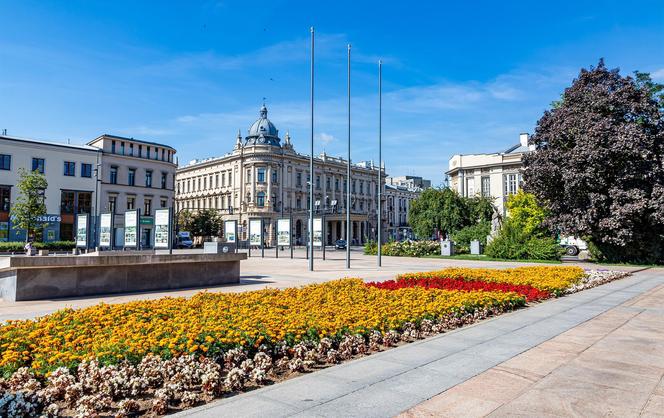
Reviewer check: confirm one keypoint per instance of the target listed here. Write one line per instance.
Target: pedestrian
(28, 248)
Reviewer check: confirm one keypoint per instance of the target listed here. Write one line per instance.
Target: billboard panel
(284, 232)
(162, 228)
(318, 232)
(131, 228)
(105, 229)
(229, 231)
(255, 232)
(82, 230)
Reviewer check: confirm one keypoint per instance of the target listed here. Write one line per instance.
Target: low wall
(33, 278)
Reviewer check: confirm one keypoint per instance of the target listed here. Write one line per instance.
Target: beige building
(265, 178)
(496, 175)
(134, 174)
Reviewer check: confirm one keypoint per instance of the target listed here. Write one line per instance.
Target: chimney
(523, 139)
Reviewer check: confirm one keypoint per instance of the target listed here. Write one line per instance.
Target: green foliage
(464, 236)
(15, 246)
(185, 220)
(206, 223)
(30, 202)
(446, 211)
(404, 248)
(526, 214)
(514, 243)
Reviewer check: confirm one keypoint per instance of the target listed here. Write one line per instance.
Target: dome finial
(264, 110)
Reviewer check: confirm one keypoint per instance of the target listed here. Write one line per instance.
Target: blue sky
(458, 77)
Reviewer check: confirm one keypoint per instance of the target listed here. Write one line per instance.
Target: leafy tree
(30, 203)
(599, 164)
(206, 223)
(185, 220)
(526, 214)
(480, 209)
(437, 209)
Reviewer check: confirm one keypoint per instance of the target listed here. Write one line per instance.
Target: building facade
(134, 174)
(265, 178)
(397, 206)
(109, 174)
(410, 182)
(496, 175)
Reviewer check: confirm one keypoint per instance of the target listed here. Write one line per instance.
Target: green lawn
(485, 258)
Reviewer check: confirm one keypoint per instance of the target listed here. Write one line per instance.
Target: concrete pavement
(397, 380)
(259, 273)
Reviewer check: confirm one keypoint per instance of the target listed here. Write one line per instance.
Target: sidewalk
(396, 380)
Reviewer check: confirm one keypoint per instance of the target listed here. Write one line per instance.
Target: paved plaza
(259, 273)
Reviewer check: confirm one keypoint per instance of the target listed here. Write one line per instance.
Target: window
(510, 184)
(274, 176)
(361, 187)
(70, 168)
(328, 183)
(298, 181)
(230, 178)
(336, 184)
(148, 178)
(38, 165)
(156, 153)
(140, 151)
(163, 203)
(188, 186)
(122, 148)
(299, 203)
(131, 202)
(147, 207)
(163, 154)
(114, 175)
(216, 181)
(84, 202)
(112, 200)
(5, 194)
(67, 201)
(260, 199)
(248, 175)
(112, 147)
(318, 182)
(199, 184)
(131, 149)
(486, 186)
(148, 152)
(86, 170)
(131, 177)
(223, 179)
(361, 205)
(164, 179)
(204, 183)
(353, 186)
(260, 175)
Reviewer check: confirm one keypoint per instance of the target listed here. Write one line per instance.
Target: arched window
(260, 199)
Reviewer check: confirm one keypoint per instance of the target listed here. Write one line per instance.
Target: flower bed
(551, 279)
(159, 356)
(531, 293)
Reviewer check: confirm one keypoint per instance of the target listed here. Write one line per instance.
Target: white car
(573, 245)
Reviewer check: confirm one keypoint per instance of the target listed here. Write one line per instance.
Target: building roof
(123, 138)
(517, 149)
(263, 132)
(81, 147)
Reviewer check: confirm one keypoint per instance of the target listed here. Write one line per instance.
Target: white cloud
(657, 75)
(325, 138)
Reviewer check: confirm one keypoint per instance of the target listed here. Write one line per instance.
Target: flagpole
(311, 164)
(380, 158)
(348, 175)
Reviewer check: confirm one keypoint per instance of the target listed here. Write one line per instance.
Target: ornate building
(265, 178)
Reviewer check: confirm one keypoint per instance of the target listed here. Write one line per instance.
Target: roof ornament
(238, 141)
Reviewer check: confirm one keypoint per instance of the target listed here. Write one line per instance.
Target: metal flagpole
(380, 158)
(311, 164)
(348, 175)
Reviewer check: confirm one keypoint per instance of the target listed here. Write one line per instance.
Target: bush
(15, 246)
(464, 236)
(514, 244)
(404, 248)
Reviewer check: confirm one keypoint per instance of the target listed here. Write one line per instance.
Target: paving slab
(397, 380)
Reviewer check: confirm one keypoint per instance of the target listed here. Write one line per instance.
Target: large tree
(437, 210)
(30, 203)
(206, 223)
(599, 164)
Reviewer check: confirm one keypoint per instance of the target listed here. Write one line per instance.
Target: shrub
(464, 236)
(515, 244)
(15, 246)
(404, 248)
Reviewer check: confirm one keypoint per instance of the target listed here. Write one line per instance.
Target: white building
(109, 174)
(496, 175)
(69, 170)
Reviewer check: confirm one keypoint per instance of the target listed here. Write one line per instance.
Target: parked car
(340, 244)
(573, 245)
(183, 240)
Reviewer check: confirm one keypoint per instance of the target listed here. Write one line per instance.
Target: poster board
(230, 231)
(318, 232)
(82, 230)
(131, 228)
(162, 228)
(255, 232)
(105, 230)
(284, 232)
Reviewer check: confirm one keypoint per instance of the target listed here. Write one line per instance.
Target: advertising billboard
(162, 228)
(283, 232)
(131, 228)
(82, 230)
(318, 232)
(230, 228)
(105, 229)
(255, 232)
